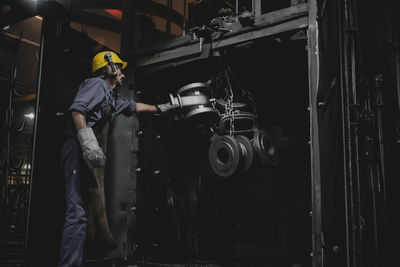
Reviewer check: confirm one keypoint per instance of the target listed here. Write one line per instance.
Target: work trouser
(75, 226)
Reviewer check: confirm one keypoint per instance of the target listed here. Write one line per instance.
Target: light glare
(30, 115)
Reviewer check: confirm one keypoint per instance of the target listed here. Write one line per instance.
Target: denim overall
(85, 219)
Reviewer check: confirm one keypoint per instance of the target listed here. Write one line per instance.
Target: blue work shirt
(92, 100)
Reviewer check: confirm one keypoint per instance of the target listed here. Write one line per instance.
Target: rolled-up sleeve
(90, 94)
(125, 106)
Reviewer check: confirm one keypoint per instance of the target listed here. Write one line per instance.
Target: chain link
(253, 103)
(229, 105)
(245, 92)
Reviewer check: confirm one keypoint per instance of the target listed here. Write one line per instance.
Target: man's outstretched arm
(142, 107)
(79, 120)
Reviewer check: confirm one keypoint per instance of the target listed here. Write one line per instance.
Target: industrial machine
(282, 152)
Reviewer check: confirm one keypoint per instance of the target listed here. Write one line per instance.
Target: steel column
(316, 197)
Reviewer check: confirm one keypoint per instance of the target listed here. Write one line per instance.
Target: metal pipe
(184, 18)
(352, 33)
(22, 39)
(374, 213)
(345, 129)
(168, 24)
(9, 116)
(39, 84)
(237, 10)
(318, 252)
(382, 180)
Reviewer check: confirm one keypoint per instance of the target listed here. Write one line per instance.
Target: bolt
(337, 249)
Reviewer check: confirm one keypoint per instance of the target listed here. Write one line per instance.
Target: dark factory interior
(281, 149)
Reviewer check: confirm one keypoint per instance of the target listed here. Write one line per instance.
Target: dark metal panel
(118, 182)
(121, 177)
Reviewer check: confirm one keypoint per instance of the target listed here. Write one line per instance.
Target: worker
(83, 156)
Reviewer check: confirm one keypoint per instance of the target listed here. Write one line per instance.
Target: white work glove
(92, 153)
(163, 108)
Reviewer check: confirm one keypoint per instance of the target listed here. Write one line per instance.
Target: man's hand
(92, 153)
(163, 108)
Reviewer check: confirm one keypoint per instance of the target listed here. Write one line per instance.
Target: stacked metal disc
(232, 152)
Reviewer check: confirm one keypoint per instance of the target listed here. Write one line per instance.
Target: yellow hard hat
(99, 61)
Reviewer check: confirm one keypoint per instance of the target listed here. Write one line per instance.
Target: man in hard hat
(83, 156)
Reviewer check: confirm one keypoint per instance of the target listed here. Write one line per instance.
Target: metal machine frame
(298, 16)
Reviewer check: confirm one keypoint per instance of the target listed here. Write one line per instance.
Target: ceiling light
(29, 115)
(26, 166)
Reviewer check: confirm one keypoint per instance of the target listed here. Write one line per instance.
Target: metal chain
(212, 100)
(229, 105)
(245, 92)
(253, 103)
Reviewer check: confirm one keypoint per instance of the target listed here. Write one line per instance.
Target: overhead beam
(100, 4)
(149, 7)
(173, 54)
(268, 24)
(23, 9)
(260, 33)
(27, 41)
(95, 20)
